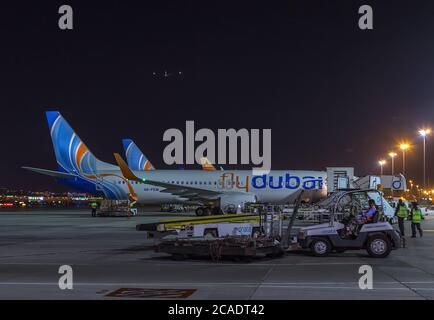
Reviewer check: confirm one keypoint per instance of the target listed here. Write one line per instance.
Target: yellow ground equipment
(169, 225)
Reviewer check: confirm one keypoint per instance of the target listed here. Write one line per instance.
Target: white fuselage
(275, 187)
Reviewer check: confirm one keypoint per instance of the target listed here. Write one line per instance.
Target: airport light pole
(381, 163)
(404, 147)
(392, 156)
(424, 133)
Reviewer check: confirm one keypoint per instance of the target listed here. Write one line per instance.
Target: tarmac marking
(42, 264)
(151, 293)
(264, 286)
(414, 290)
(262, 280)
(273, 284)
(204, 264)
(263, 264)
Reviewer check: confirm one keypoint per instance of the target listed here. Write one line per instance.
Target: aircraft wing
(175, 189)
(52, 173)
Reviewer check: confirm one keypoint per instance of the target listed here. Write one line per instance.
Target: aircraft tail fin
(135, 158)
(71, 153)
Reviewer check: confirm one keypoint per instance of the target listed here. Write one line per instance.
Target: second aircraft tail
(135, 158)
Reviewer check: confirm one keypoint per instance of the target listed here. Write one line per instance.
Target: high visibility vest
(93, 205)
(417, 215)
(402, 212)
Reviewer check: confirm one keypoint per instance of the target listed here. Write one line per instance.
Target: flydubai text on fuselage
(275, 187)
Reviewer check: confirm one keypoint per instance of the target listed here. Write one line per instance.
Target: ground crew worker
(369, 216)
(94, 206)
(371, 212)
(402, 213)
(416, 217)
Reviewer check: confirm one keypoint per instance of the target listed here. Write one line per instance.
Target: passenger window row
(176, 182)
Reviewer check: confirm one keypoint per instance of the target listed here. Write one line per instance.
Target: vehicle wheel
(378, 246)
(320, 247)
(207, 211)
(200, 212)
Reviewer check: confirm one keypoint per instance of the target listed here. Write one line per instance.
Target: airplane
(138, 161)
(223, 190)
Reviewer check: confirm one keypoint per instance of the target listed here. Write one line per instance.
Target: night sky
(331, 93)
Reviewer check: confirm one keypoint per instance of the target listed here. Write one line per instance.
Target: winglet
(126, 171)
